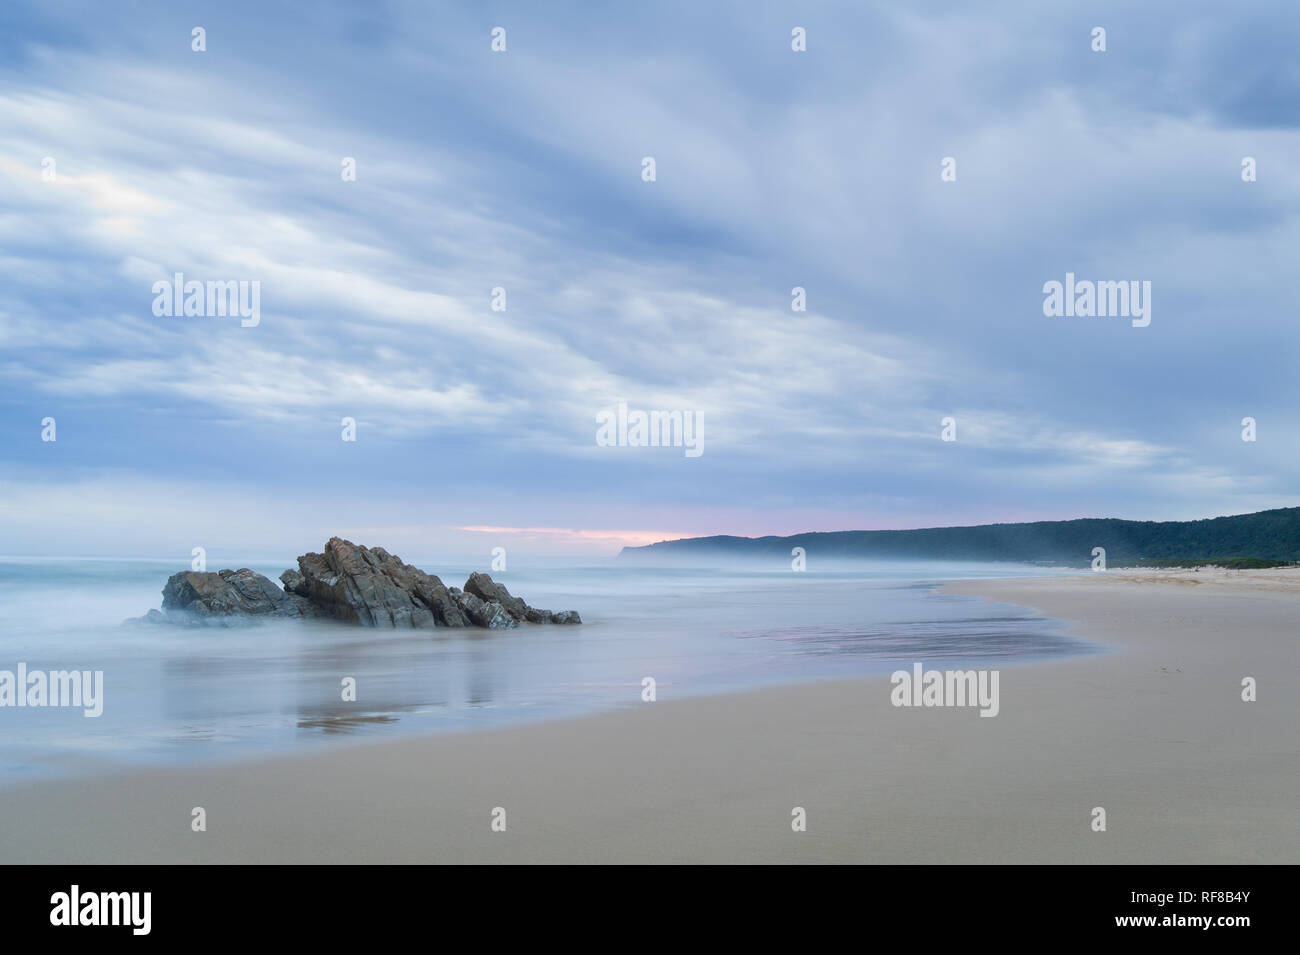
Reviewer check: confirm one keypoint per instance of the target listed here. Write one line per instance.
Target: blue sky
(522, 169)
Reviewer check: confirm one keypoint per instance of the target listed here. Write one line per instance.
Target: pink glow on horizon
(569, 535)
(757, 525)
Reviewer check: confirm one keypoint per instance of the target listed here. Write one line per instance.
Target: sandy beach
(1155, 732)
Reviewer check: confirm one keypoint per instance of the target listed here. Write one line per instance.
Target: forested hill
(1271, 535)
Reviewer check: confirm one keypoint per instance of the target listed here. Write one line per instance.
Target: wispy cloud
(775, 170)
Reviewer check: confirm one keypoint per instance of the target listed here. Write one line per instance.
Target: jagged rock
(227, 596)
(485, 588)
(363, 585)
(485, 613)
(371, 587)
(294, 583)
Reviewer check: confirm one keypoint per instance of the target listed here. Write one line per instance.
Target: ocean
(176, 695)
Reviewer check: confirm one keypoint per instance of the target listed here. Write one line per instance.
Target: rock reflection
(340, 722)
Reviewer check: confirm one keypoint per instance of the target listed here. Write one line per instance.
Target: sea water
(174, 694)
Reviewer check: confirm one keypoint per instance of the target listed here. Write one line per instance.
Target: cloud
(776, 170)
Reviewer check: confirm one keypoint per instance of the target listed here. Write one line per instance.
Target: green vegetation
(1263, 539)
(1230, 563)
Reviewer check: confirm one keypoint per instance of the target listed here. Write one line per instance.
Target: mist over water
(174, 694)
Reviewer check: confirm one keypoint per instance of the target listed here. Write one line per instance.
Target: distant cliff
(1271, 535)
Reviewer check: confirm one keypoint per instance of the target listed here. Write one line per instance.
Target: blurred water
(176, 694)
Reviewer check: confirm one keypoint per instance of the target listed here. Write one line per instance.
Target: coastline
(1155, 732)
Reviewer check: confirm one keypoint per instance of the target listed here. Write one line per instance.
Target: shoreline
(441, 700)
(1154, 732)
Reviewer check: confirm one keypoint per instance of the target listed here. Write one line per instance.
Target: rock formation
(360, 585)
(485, 588)
(483, 613)
(371, 587)
(207, 599)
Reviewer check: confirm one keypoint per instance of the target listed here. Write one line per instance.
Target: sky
(522, 169)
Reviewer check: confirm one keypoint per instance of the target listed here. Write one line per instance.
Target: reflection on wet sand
(342, 722)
